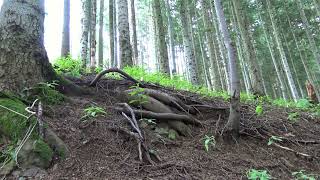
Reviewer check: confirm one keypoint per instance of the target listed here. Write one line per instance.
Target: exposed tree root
(143, 149)
(162, 116)
(169, 100)
(127, 76)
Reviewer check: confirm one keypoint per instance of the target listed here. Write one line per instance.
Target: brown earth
(100, 153)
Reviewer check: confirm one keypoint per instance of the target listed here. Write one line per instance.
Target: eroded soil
(96, 152)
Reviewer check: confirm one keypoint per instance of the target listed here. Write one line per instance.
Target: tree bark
(188, 46)
(233, 124)
(65, 48)
(124, 34)
(93, 41)
(23, 58)
(134, 33)
(161, 37)
(171, 38)
(101, 19)
(86, 6)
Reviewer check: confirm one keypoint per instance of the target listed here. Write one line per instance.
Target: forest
(160, 89)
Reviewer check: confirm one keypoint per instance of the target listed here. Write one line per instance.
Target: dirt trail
(99, 153)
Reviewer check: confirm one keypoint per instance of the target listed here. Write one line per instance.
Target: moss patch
(43, 150)
(13, 125)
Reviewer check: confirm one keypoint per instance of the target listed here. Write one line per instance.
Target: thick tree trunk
(101, 18)
(65, 48)
(23, 58)
(282, 54)
(188, 46)
(86, 6)
(124, 34)
(161, 37)
(134, 33)
(93, 41)
(233, 125)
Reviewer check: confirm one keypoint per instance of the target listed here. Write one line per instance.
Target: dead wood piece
(127, 76)
(291, 150)
(40, 120)
(162, 116)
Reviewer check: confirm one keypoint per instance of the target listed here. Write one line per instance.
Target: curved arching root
(124, 74)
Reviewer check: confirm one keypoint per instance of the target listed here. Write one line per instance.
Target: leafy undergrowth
(73, 67)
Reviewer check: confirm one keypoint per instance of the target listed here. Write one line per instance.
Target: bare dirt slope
(96, 152)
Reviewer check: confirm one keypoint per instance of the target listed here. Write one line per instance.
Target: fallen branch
(127, 76)
(140, 142)
(291, 150)
(162, 116)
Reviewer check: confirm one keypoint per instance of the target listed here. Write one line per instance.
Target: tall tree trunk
(124, 34)
(86, 6)
(291, 61)
(171, 38)
(134, 33)
(282, 54)
(274, 61)
(65, 48)
(188, 46)
(161, 37)
(219, 48)
(93, 41)
(208, 78)
(212, 53)
(243, 24)
(101, 18)
(311, 40)
(23, 58)
(233, 125)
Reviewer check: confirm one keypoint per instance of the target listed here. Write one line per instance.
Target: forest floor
(96, 152)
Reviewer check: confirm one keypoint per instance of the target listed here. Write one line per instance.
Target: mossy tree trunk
(23, 58)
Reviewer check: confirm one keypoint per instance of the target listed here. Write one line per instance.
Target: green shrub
(92, 112)
(68, 66)
(254, 174)
(45, 92)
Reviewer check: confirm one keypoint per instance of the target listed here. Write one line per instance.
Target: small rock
(56, 143)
